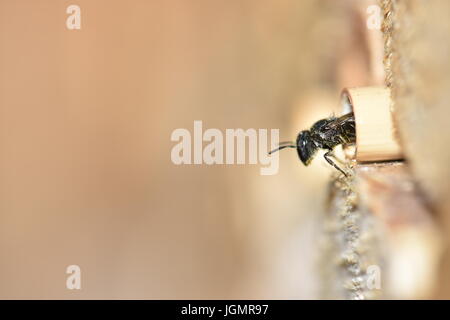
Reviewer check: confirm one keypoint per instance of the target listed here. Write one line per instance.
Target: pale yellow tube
(376, 138)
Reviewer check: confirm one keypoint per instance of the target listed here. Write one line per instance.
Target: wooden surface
(377, 217)
(418, 71)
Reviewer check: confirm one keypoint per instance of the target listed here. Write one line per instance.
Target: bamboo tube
(376, 138)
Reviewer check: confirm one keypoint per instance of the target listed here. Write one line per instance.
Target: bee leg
(327, 156)
(332, 155)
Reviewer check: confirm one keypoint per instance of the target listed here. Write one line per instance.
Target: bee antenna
(281, 147)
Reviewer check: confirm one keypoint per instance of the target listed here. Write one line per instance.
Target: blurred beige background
(86, 117)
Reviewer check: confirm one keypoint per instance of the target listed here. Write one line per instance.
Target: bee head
(306, 148)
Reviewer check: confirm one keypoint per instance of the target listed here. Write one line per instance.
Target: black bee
(324, 134)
